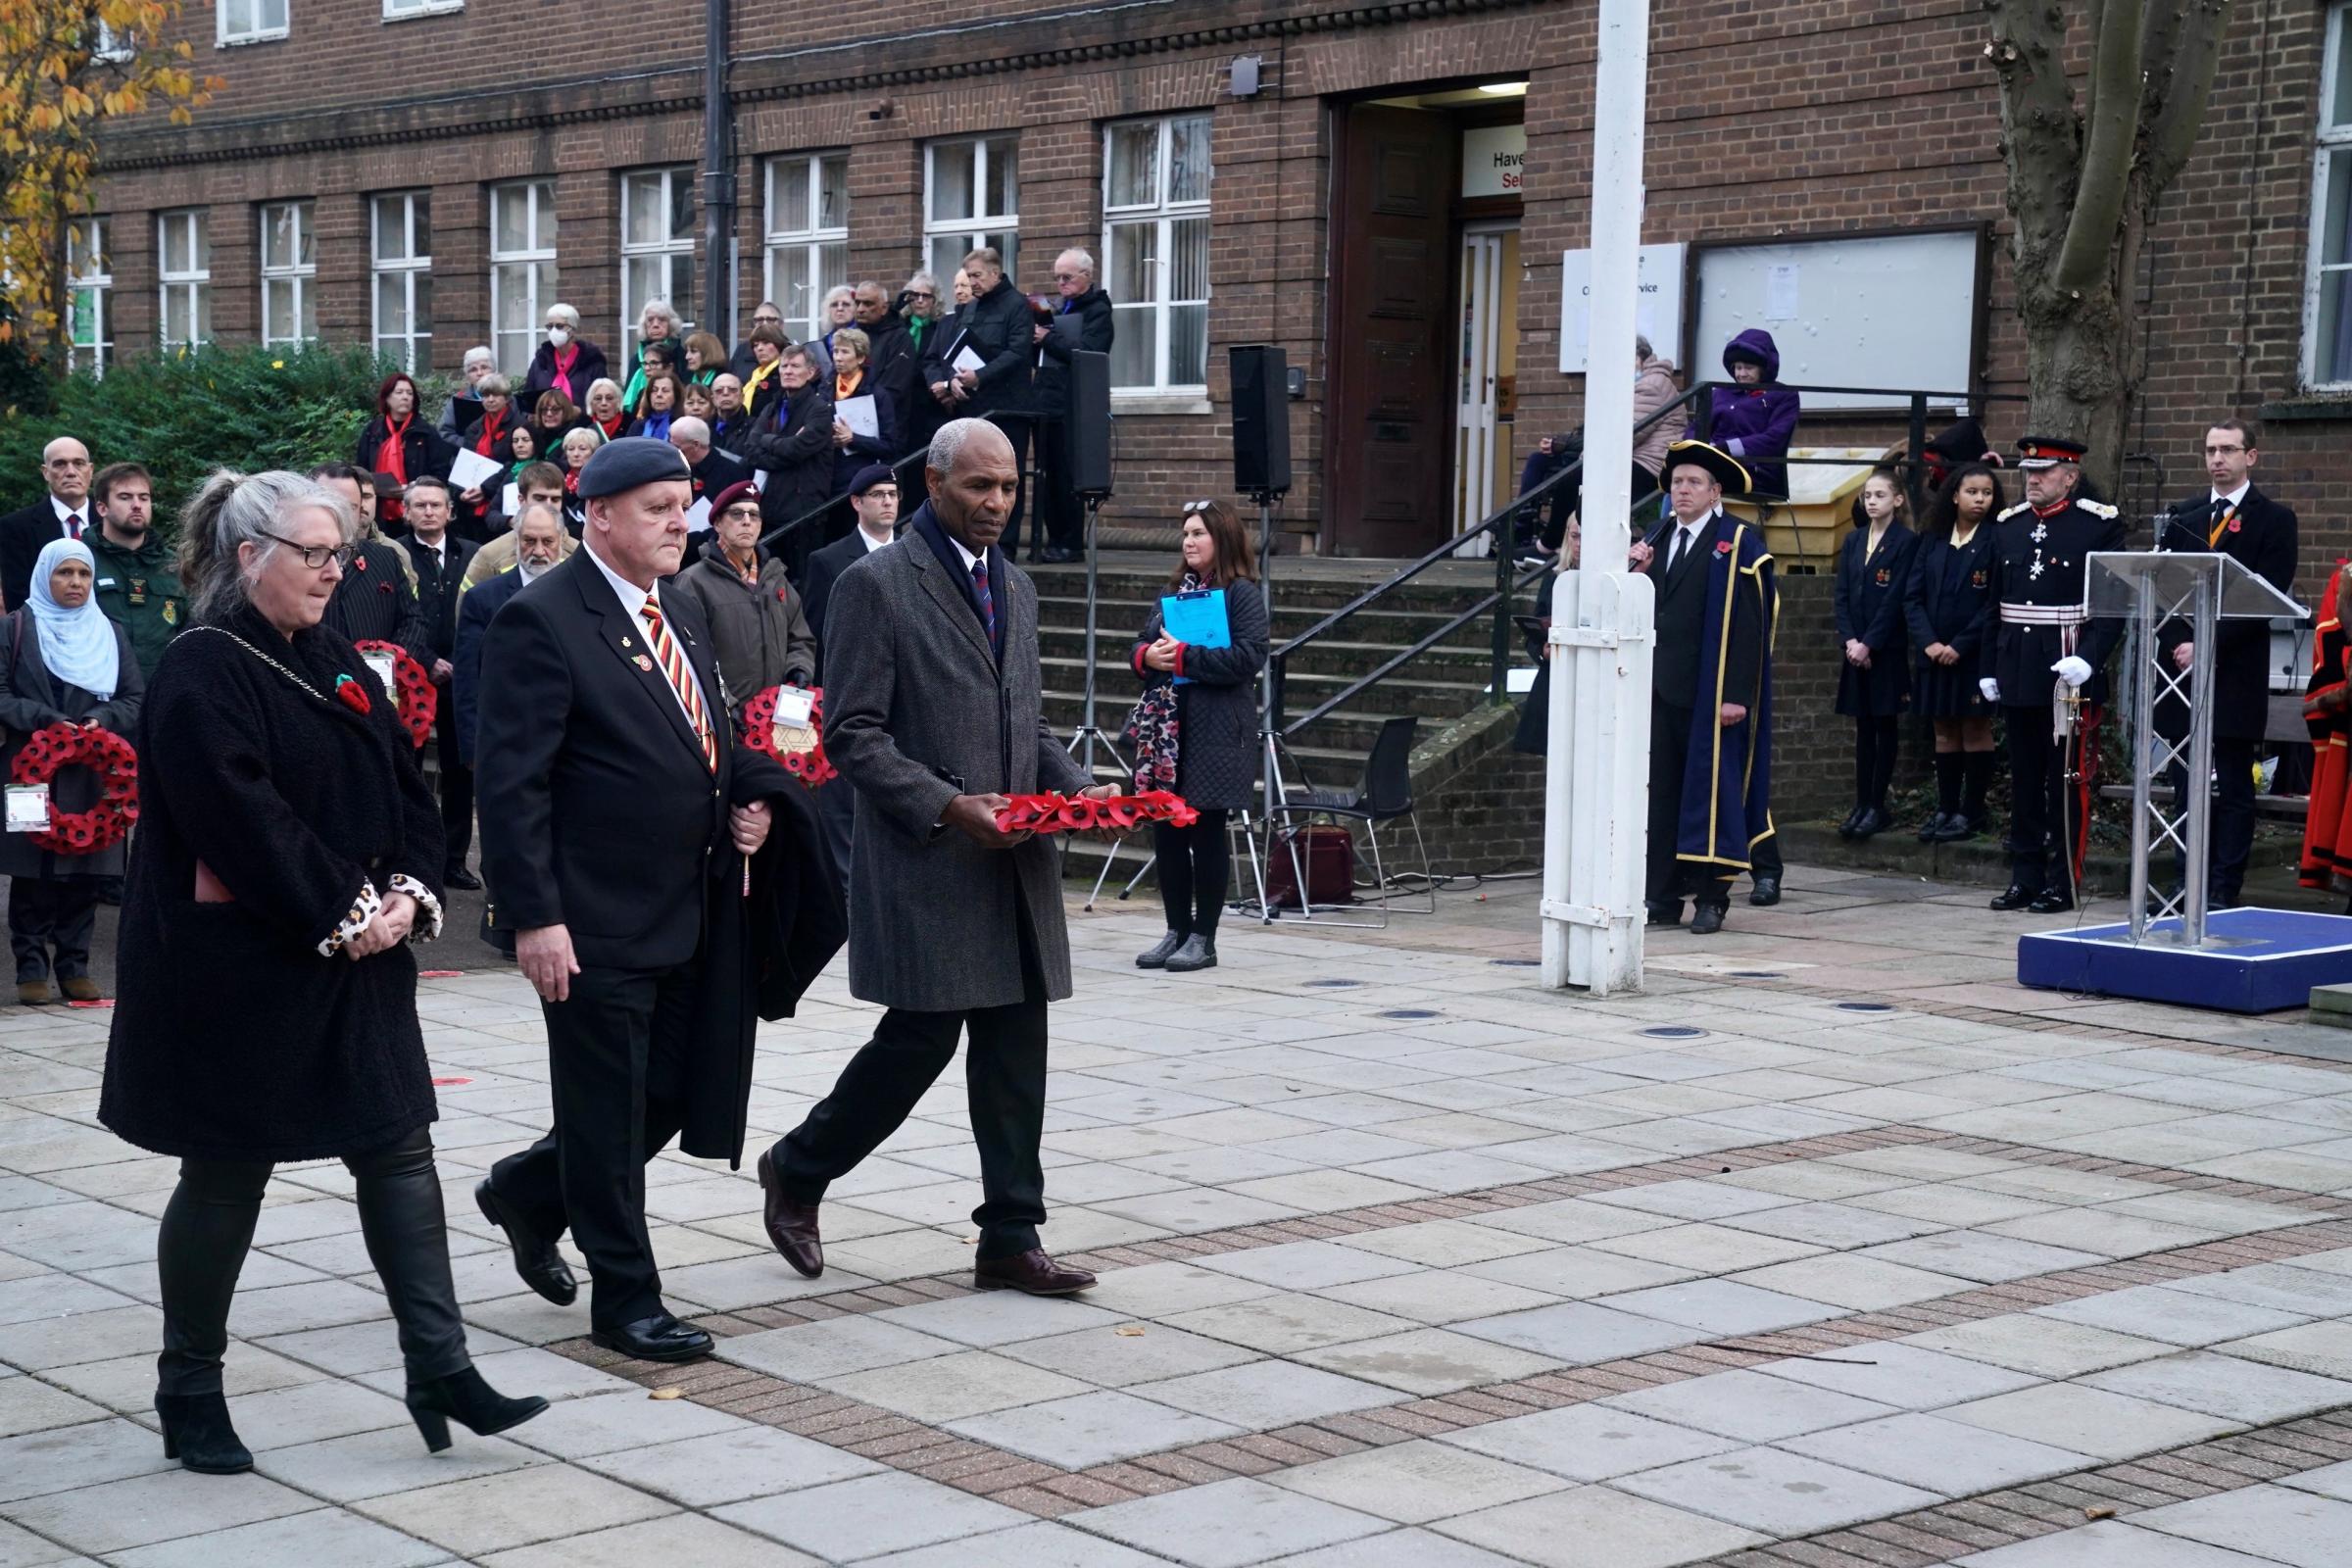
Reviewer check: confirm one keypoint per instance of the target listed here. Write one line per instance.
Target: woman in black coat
(1874, 685)
(61, 662)
(400, 442)
(288, 852)
(1947, 597)
(1196, 732)
(793, 441)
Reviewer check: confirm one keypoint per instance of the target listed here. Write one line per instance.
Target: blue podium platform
(2254, 960)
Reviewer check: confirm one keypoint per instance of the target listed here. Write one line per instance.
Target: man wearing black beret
(664, 883)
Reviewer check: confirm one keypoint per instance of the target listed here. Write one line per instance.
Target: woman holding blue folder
(1196, 729)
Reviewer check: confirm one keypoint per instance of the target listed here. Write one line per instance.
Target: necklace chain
(264, 658)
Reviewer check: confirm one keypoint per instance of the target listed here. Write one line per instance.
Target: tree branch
(2107, 151)
(2040, 134)
(2187, 84)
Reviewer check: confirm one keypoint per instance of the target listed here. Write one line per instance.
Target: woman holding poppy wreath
(290, 852)
(61, 662)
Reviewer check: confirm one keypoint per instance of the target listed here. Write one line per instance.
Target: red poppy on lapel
(354, 695)
(2234, 526)
(1723, 548)
(359, 563)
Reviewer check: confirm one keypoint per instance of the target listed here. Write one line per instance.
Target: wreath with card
(109, 755)
(413, 684)
(799, 746)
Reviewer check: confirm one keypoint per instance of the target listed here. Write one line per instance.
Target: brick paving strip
(1049, 1490)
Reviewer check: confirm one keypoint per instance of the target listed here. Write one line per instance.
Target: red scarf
(564, 359)
(493, 432)
(392, 458)
(621, 422)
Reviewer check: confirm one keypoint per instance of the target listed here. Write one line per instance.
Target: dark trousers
(52, 915)
(208, 1229)
(617, 1052)
(1196, 869)
(457, 784)
(1057, 505)
(1005, 1087)
(1764, 858)
(1670, 879)
(1018, 428)
(2230, 831)
(2045, 809)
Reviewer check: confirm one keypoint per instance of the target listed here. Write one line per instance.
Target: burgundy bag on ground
(1329, 856)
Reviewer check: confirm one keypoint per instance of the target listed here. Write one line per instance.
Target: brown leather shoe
(33, 992)
(1031, 1272)
(791, 1226)
(80, 988)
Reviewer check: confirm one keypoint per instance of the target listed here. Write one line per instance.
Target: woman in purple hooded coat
(1754, 420)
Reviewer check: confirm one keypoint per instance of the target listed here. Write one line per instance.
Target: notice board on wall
(1889, 310)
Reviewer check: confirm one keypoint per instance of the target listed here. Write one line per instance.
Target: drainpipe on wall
(718, 178)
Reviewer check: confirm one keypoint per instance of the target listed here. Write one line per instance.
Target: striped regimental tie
(681, 680)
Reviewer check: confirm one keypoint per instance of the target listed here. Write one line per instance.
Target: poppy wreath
(759, 734)
(413, 685)
(109, 755)
(1059, 813)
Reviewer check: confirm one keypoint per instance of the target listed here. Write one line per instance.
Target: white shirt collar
(2236, 497)
(632, 598)
(873, 544)
(969, 560)
(1692, 528)
(440, 549)
(63, 512)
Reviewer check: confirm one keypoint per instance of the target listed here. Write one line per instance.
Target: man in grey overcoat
(933, 715)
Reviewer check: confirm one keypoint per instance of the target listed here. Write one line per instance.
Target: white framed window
(184, 265)
(250, 21)
(971, 197)
(108, 44)
(89, 274)
(1156, 252)
(523, 269)
(657, 248)
(290, 263)
(401, 237)
(807, 236)
(2327, 291)
(397, 10)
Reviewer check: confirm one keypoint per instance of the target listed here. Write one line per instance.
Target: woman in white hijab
(61, 661)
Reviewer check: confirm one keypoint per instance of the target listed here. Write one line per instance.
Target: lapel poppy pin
(354, 695)
(645, 663)
(1723, 547)
(2234, 526)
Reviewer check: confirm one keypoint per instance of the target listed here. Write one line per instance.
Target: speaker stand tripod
(1089, 734)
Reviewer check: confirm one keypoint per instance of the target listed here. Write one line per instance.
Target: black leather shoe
(464, 1397)
(1766, 893)
(1933, 829)
(1707, 919)
(1197, 952)
(660, 1338)
(1870, 824)
(791, 1227)
(1032, 1273)
(1846, 829)
(1666, 915)
(1059, 555)
(2017, 898)
(457, 876)
(197, 1433)
(2053, 901)
(1156, 957)
(1957, 827)
(536, 1260)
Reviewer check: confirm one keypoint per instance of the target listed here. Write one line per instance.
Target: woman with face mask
(565, 360)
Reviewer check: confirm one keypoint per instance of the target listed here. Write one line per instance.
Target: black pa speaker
(1262, 420)
(1090, 423)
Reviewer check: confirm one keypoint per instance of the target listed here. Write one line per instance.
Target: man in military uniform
(2045, 662)
(2237, 521)
(138, 577)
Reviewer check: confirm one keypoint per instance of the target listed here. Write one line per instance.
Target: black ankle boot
(1976, 778)
(464, 1397)
(197, 1433)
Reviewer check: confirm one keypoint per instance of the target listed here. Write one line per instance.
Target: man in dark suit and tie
(1709, 688)
(931, 714)
(619, 822)
(2239, 521)
(441, 563)
(63, 514)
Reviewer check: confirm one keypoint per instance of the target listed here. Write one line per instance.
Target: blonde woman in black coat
(288, 852)
(1196, 732)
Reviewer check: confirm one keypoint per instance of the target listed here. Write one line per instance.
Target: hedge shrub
(184, 415)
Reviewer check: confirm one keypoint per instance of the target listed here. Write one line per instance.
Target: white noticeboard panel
(1657, 317)
(1893, 309)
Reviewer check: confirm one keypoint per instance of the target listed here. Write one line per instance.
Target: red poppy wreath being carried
(1057, 814)
(413, 684)
(109, 755)
(775, 725)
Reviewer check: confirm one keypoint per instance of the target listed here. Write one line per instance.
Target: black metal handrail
(1700, 404)
(898, 474)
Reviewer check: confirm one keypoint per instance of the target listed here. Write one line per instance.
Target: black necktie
(1680, 548)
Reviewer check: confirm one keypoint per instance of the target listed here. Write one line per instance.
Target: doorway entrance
(1486, 375)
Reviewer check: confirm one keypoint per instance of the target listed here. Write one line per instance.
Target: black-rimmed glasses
(315, 557)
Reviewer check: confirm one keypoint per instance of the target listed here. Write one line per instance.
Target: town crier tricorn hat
(1722, 465)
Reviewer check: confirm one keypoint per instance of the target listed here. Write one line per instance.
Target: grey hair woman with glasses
(288, 855)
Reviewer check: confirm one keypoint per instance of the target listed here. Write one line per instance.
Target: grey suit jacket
(914, 700)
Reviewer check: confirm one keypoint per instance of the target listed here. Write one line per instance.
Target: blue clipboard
(1196, 619)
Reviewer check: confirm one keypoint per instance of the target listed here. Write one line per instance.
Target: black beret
(872, 475)
(629, 462)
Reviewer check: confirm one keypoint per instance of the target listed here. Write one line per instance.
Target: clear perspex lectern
(2146, 590)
